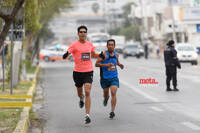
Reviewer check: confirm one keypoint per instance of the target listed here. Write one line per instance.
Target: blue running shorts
(106, 83)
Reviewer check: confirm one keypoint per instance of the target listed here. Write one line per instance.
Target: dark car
(132, 50)
(198, 49)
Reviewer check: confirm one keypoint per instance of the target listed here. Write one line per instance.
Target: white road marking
(191, 125)
(156, 109)
(139, 91)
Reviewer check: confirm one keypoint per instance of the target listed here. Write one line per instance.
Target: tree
(126, 11)
(46, 14)
(131, 33)
(130, 29)
(9, 18)
(37, 15)
(95, 7)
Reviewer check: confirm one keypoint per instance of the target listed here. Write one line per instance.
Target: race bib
(85, 56)
(112, 68)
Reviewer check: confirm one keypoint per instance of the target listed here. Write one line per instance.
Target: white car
(52, 53)
(187, 53)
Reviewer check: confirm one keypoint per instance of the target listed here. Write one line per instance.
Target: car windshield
(100, 41)
(185, 48)
(132, 46)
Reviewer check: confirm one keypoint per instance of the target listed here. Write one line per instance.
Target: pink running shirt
(81, 53)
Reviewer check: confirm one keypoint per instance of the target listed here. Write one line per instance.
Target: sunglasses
(82, 31)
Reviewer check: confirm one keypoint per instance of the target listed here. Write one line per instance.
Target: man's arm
(69, 51)
(95, 55)
(176, 59)
(118, 63)
(98, 62)
(66, 55)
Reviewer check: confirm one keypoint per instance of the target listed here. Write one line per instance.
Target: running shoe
(105, 101)
(112, 115)
(81, 103)
(87, 120)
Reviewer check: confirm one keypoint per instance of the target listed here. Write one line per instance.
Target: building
(159, 17)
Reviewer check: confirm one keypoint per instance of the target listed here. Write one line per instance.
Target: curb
(22, 125)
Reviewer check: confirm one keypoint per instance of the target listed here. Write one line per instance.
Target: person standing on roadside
(171, 64)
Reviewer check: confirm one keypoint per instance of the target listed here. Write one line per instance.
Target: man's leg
(79, 86)
(81, 96)
(174, 79)
(87, 87)
(113, 89)
(106, 96)
(106, 92)
(114, 98)
(168, 79)
(80, 92)
(175, 82)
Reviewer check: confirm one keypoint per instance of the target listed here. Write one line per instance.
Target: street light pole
(173, 21)
(3, 66)
(11, 66)
(104, 15)
(142, 21)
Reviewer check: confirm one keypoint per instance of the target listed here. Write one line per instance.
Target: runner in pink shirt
(82, 51)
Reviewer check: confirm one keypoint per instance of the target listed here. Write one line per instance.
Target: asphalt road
(141, 108)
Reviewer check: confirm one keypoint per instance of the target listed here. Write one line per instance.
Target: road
(141, 108)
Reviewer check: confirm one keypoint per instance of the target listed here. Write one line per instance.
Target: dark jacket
(170, 57)
(5, 50)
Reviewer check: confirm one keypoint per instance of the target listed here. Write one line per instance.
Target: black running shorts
(81, 78)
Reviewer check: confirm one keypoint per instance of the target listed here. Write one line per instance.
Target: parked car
(187, 53)
(52, 53)
(132, 50)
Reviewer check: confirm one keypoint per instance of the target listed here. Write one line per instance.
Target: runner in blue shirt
(109, 74)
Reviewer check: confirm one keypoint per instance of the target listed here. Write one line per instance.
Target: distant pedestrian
(4, 53)
(146, 50)
(158, 51)
(171, 64)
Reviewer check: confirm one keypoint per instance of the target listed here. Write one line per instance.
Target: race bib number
(85, 56)
(112, 68)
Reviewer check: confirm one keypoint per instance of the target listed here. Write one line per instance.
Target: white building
(158, 16)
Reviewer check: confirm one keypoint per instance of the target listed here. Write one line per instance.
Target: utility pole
(3, 66)
(11, 66)
(142, 21)
(3, 60)
(104, 15)
(173, 21)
